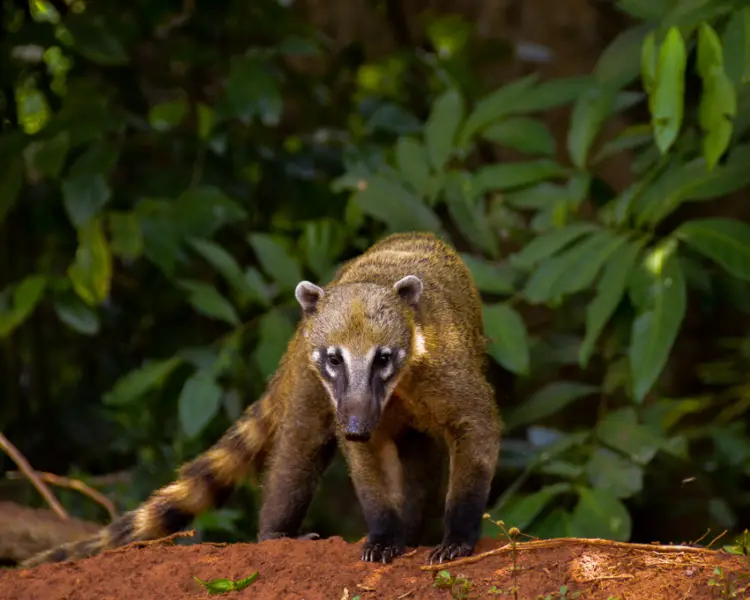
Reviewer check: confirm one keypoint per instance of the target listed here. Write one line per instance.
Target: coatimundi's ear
(308, 295)
(410, 289)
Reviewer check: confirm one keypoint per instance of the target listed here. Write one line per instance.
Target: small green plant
(222, 585)
(563, 594)
(719, 580)
(459, 586)
(741, 546)
(512, 534)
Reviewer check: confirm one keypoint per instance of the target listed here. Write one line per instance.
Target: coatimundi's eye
(334, 359)
(382, 358)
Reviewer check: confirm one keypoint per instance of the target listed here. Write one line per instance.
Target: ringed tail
(203, 483)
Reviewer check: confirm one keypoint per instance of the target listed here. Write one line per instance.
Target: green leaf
(529, 136)
(574, 269)
(411, 159)
(630, 138)
(133, 385)
(710, 53)
(276, 259)
(489, 277)
(736, 48)
(648, 64)
(395, 206)
(276, 329)
(552, 93)
(167, 115)
(84, 196)
(599, 514)
(26, 296)
(225, 264)
(510, 345)
(618, 64)
(91, 271)
(547, 244)
(76, 315)
(725, 241)
(500, 103)
(221, 586)
(522, 512)
(610, 291)
(206, 117)
(321, 243)
(538, 197)
(47, 157)
(620, 430)
(442, 126)
(548, 401)
(668, 99)
(466, 208)
(201, 211)
(208, 301)
(589, 113)
(610, 472)
(94, 40)
(655, 330)
(127, 238)
(717, 111)
(511, 175)
(253, 91)
(198, 403)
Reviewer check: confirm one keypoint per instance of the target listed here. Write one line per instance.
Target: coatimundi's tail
(203, 483)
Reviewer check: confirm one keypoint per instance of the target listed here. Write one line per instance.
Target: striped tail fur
(205, 482)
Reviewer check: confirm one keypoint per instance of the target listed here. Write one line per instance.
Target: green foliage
(166, 186)
(222, 586)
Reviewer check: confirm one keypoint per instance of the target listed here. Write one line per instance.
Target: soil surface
(330, 569)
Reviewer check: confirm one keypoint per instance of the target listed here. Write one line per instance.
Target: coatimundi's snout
(359, 336)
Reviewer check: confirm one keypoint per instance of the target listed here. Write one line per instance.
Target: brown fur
(441, 399)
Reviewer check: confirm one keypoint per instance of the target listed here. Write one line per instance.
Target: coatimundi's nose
(355, 430)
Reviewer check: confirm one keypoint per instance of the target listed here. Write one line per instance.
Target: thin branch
(534, 545)
(30, 474)
(73, 484)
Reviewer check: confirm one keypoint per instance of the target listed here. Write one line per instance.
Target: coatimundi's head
(360, 338)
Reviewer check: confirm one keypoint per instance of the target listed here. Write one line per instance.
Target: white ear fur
(410, 289)
(308, 295)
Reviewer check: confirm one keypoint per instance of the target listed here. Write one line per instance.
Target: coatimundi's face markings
(361, 338)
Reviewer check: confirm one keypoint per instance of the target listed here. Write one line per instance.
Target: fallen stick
(536, 544)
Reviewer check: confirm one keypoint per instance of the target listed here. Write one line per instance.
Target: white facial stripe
(387, 371)
(347, 356)
(331, 372)
(331, 350)
(316, 355)
(420, 347)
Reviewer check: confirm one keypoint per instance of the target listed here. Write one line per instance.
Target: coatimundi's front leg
(376, 473)
(472, 432)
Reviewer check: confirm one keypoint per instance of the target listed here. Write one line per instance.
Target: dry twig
(536, 544)
(156, 542)
(32, 476)
(73, 484)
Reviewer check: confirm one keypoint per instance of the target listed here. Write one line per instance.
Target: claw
(309, 536)
(385, 553)
(449, 551)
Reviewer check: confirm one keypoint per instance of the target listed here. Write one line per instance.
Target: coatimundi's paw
(281, 535)
(450, 551)
(375, 552)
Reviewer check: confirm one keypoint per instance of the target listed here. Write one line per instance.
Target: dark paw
(450, 551)
(385, 553)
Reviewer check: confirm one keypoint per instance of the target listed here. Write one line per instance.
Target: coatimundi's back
(388, 362)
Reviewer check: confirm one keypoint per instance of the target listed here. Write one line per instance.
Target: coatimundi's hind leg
(423, 465)
(300, 457)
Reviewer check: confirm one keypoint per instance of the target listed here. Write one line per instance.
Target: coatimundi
(388, 360)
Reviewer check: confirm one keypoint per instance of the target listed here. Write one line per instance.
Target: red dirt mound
(330, 569)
